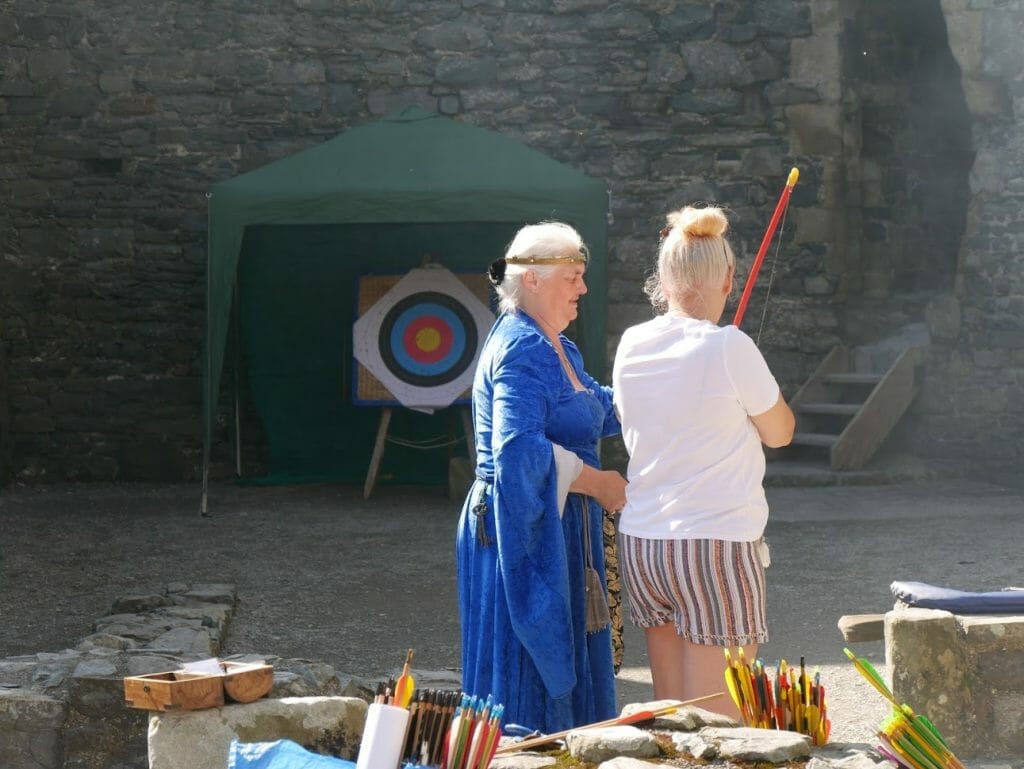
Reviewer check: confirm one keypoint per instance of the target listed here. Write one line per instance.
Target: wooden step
(853, 378)
(862, 627)
(842, 409)
(815, 439)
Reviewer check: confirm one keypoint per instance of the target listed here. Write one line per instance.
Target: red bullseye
(427, 339)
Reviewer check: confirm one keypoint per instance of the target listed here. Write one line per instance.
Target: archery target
(422, 338)
(427, 339)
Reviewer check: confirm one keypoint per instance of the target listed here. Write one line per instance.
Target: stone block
(30, 726)
(987, 98)
(597, 745)
(965, 673)
(745, 744)
(817, 64)
(200, 739)
(817, 129)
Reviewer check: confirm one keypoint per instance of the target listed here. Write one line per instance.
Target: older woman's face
(559, 293)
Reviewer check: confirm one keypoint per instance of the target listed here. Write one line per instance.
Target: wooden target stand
(370, 391)
(382, 437)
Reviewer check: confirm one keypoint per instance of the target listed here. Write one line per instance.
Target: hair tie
(496, 272)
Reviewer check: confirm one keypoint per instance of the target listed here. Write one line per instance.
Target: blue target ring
(427, 339)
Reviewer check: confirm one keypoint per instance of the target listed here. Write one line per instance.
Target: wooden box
(177, 690)
(185, 690)
(247, 682)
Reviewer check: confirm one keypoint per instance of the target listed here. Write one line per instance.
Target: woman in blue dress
(532, 521)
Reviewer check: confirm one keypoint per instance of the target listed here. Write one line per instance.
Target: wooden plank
(841, 409)
(378, 452)
(176, 690)
(814, 439)
(883, 408)
(862, 627)
(853, 378)
(247, 682)
(813, 390)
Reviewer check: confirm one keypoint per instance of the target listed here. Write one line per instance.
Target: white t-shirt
(685, 390)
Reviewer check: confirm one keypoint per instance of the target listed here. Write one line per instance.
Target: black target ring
(440, 317)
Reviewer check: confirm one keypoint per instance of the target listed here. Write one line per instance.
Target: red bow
(768, 235)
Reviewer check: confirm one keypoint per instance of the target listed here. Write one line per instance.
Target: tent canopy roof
(412, 165)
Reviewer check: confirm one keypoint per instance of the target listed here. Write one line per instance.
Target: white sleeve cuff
(568, 467)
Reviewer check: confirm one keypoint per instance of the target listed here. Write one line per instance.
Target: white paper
(206, 667)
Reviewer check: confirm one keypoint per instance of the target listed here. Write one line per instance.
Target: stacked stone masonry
(904, 119)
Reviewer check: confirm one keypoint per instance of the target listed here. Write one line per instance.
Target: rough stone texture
(523, 761)
(965, 673)
(903, 118)
(596, 745)
(623, 762)
(5, 416)
(745, 744)
(30, 727)
(847, 757)
(67, 709)
(200, 739)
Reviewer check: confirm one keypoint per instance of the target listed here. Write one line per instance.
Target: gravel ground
(324, 575)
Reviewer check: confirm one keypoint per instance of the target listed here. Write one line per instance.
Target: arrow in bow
(780, 207)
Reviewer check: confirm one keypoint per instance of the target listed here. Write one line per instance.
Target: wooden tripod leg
(378, 452)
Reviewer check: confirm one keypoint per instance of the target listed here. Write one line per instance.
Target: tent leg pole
(237, 322)
(378, 452)
(203, 509)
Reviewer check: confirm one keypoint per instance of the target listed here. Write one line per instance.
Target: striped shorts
(712, 590)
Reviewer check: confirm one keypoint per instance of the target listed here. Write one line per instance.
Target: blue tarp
(280, 754)
(924, 596)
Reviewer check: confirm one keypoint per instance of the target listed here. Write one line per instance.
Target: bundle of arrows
(908, 739)
(793, 702)
(451, 730)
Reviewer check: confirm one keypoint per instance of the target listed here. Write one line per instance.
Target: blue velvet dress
(520, 566)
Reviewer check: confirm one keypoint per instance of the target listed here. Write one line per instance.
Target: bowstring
(771, 275)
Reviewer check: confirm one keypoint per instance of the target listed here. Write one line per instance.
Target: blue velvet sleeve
(530, 539)
(611, 424)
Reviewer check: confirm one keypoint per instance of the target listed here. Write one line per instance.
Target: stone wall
(5, 419)
(116, 123)
(973, 405)
(66, 709)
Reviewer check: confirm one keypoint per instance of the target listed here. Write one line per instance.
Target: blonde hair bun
(693, 222)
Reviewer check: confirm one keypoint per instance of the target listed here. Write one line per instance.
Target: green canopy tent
(288, 241)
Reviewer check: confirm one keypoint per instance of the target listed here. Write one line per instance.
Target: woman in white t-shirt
(696, 401)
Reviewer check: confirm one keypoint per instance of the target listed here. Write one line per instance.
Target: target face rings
(427, 339)
(421, 339)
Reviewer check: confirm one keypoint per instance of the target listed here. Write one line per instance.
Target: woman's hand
(608, 487)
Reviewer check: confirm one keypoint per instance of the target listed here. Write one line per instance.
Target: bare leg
(683, 670)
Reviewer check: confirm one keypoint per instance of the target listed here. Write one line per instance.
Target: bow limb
(748, 288)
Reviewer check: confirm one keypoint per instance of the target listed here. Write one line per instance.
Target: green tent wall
(367, 199)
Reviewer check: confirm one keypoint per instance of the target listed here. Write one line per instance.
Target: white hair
(544, 241)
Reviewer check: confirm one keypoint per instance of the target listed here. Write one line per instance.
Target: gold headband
(554, 260)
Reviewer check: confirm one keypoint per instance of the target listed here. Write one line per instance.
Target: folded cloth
(280, 754)
(924, 596)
